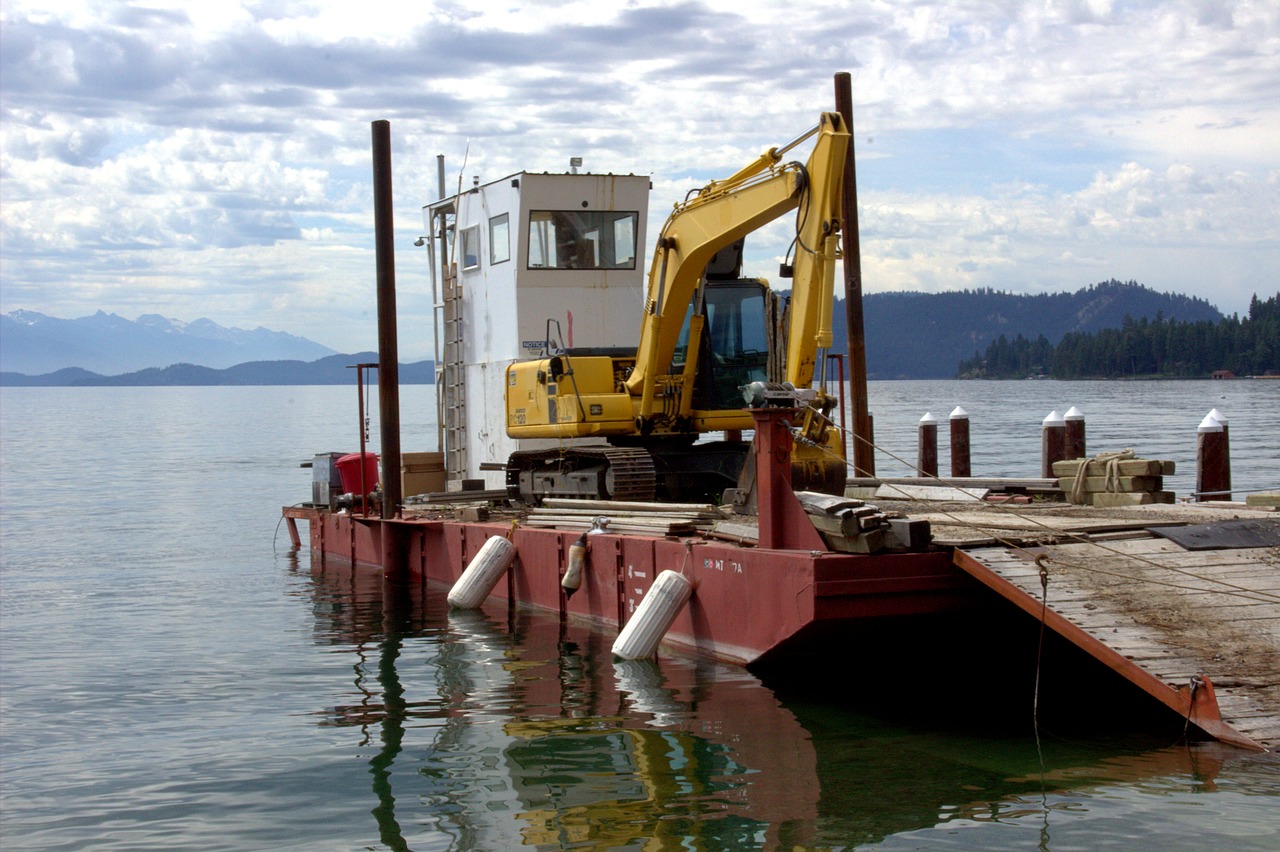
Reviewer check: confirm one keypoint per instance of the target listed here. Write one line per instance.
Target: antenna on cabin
(575, 163)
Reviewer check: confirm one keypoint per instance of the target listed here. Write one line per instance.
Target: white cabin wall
(506, 305)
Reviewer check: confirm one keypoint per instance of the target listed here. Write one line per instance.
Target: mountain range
(908, 336)
(333, 370)
(927, 335)
(33, 343)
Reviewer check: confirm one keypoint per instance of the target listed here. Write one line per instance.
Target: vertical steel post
(393, 561)
(864, 462)
(365, 487)
(388, 350)
(783, 522)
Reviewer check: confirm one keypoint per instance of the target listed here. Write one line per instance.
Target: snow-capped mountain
(34, 343)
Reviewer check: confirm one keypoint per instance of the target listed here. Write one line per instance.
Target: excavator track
(602, 473)
(630, 475)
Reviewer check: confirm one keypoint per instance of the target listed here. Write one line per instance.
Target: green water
(172, 678)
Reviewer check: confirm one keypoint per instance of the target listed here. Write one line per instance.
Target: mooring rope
(1110, 473)
(1044, 613)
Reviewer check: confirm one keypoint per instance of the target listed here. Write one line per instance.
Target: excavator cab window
(735, 344)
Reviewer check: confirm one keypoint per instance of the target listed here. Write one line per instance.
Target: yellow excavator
(712, 344)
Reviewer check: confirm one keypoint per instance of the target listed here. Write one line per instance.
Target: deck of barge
(1185, 626)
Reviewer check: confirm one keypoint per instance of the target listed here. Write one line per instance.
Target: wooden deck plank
(1167, 612)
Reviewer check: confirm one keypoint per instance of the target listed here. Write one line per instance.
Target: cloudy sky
(213, 159)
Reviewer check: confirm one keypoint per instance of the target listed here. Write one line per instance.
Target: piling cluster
(1063, 456)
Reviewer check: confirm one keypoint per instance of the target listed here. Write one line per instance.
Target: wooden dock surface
(1155, 612)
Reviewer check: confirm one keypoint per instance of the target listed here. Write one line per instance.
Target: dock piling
(927, 445)
(1053, 442)
(960, 442)
(863, 444)
(1213, 459)
(1073, 421)
(388, 347)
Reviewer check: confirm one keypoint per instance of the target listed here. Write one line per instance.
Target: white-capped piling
(1226, 443)
(960, 442)
(1213, 459)
(1073, 421)
(927, 445)
(1053, 442)
(653, 617)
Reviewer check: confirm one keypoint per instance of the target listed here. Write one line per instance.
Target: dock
(1197, 627)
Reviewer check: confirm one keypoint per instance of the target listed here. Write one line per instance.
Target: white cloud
(213, 159)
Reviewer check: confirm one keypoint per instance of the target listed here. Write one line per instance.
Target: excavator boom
(725, 211)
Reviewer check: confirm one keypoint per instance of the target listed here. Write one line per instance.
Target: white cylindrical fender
(482, 574)
(652, 619)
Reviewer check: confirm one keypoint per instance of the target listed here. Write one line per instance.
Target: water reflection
(508, 728)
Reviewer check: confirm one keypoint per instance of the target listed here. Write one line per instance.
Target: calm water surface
(171, 677)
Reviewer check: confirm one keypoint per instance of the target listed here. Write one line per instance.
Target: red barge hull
(750, 604)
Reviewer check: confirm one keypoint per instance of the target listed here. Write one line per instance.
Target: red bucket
(349, 470)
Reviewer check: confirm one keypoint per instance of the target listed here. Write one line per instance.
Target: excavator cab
(734, 350)
(735, 343)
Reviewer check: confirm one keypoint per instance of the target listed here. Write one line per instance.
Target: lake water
(171, 677)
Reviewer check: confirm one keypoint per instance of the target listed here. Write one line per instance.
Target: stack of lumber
(1112, 479)
(632, 518)
(849, 525)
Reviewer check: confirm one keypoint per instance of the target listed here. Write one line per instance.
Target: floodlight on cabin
(575, 163)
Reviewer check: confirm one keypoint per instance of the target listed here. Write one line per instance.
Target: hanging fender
(572, 579)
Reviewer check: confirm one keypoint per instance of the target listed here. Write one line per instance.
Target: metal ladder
(454, 388)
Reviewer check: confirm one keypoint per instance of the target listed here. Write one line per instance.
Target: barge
(543, 395)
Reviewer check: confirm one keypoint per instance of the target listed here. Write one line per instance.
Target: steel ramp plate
(1223, 535)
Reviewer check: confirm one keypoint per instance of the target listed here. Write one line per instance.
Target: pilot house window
(582, 239)
(499, 240)
(471, 247)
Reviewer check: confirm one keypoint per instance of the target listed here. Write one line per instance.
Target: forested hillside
(925, 335)
(1245, 346)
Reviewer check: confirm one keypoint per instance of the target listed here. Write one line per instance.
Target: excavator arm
(725, 211)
